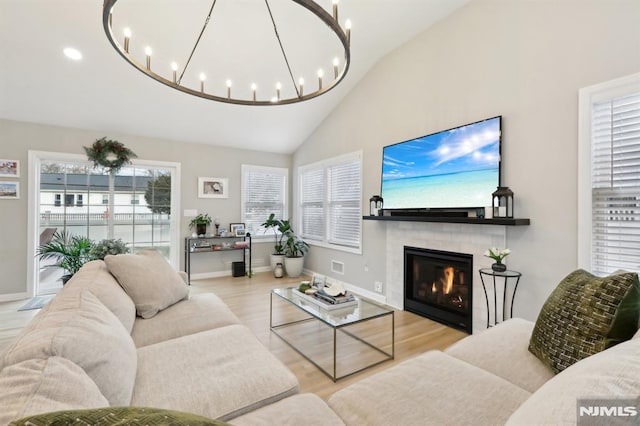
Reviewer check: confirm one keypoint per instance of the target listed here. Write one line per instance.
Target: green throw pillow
(585, 315)
(111, 416)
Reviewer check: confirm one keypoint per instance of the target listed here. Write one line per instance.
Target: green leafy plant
(109, 246)
(295, 246)
(70, 252)
(201, 219)
(280, 229)
(496, 254)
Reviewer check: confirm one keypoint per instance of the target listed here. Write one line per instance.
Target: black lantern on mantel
(375, 205)
(503, 202)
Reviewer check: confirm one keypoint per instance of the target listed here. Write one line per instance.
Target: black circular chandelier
(172, 74)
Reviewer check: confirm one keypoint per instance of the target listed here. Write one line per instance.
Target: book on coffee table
(326, 304)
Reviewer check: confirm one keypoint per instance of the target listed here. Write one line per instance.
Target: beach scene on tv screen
(451, 169)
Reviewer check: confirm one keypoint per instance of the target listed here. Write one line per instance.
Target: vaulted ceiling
(103, 92)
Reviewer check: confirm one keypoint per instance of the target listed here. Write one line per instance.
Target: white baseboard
(13, 296)
(376, 297)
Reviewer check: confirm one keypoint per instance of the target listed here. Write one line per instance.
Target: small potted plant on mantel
(280, 229)
(200, 223)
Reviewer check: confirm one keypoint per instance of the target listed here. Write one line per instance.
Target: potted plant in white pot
(294, 250)
(279, 228)
(69, 251)
(200, 223)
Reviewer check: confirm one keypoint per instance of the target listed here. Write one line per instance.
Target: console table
(215, 244)
(505, 276)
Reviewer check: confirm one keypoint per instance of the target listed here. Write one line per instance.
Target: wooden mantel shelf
(470, 220)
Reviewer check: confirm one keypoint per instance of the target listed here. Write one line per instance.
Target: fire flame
(449, 272)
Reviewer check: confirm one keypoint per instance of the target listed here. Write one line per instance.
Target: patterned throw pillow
(111, 416)
(584, 315)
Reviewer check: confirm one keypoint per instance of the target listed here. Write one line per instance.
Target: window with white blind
(329, 207)
(610, 126)
(264, 191)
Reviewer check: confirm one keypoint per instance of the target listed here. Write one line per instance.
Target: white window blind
(329, 208)
(344, 197)
(263, 192)
(615, 178)
(311, 203)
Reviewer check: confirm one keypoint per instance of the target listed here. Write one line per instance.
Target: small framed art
(9, 190)
(237, 229)
(209, 187)
(9, 168)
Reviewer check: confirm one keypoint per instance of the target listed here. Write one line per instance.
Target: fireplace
(438, 285)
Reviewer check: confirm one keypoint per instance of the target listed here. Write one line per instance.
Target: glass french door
(134, 205)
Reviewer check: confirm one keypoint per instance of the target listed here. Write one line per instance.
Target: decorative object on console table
(200, 223)
(375, 205)
(209, 187)
(237, 229)
(503, 202)
(498, 256)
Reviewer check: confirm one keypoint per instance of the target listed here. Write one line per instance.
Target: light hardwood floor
(248, 298)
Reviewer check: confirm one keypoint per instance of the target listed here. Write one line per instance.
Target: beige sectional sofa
(88, 349)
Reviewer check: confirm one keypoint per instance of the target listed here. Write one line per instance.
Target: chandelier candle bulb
(174, 69)
(347, 25)
(127, 37)
(320, 75)
(229, 83)
(203, 77)
(301, 83)
(253, 89)
(336, 64)
(148, 51)
(278, 88)
(335, 10)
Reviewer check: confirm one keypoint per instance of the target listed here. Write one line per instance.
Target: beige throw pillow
(149, 280)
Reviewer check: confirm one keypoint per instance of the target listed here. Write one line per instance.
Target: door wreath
(109, 154)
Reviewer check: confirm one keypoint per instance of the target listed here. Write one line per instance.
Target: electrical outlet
(377, 286)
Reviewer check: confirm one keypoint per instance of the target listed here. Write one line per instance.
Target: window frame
(262, 237)
(35, 159)
(325, 165)
(587, 97)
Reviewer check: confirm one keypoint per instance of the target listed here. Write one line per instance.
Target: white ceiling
(103, 92)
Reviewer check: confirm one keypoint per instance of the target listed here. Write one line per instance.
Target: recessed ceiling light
(72, 53)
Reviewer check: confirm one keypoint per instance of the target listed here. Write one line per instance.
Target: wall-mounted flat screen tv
(455, 168)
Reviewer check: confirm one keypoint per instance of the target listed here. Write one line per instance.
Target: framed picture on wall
(209, 187)
(9, 190)
(237, 229)
(9, 168)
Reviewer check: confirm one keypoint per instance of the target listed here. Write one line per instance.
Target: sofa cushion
(118, 416)
(430, 389)
(305, 409)
(502, 350)
(220, 373)
(198, 313)
(42, 385)
(80, 328)
(148, 279)
(95, 277)
(584, 315)
(611, 374)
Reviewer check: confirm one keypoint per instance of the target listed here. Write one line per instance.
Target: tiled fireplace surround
(461, 238)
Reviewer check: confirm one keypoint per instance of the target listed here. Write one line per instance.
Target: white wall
(522, 59)
(17, 138)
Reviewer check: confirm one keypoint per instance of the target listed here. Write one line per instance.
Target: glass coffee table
(340, 342)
